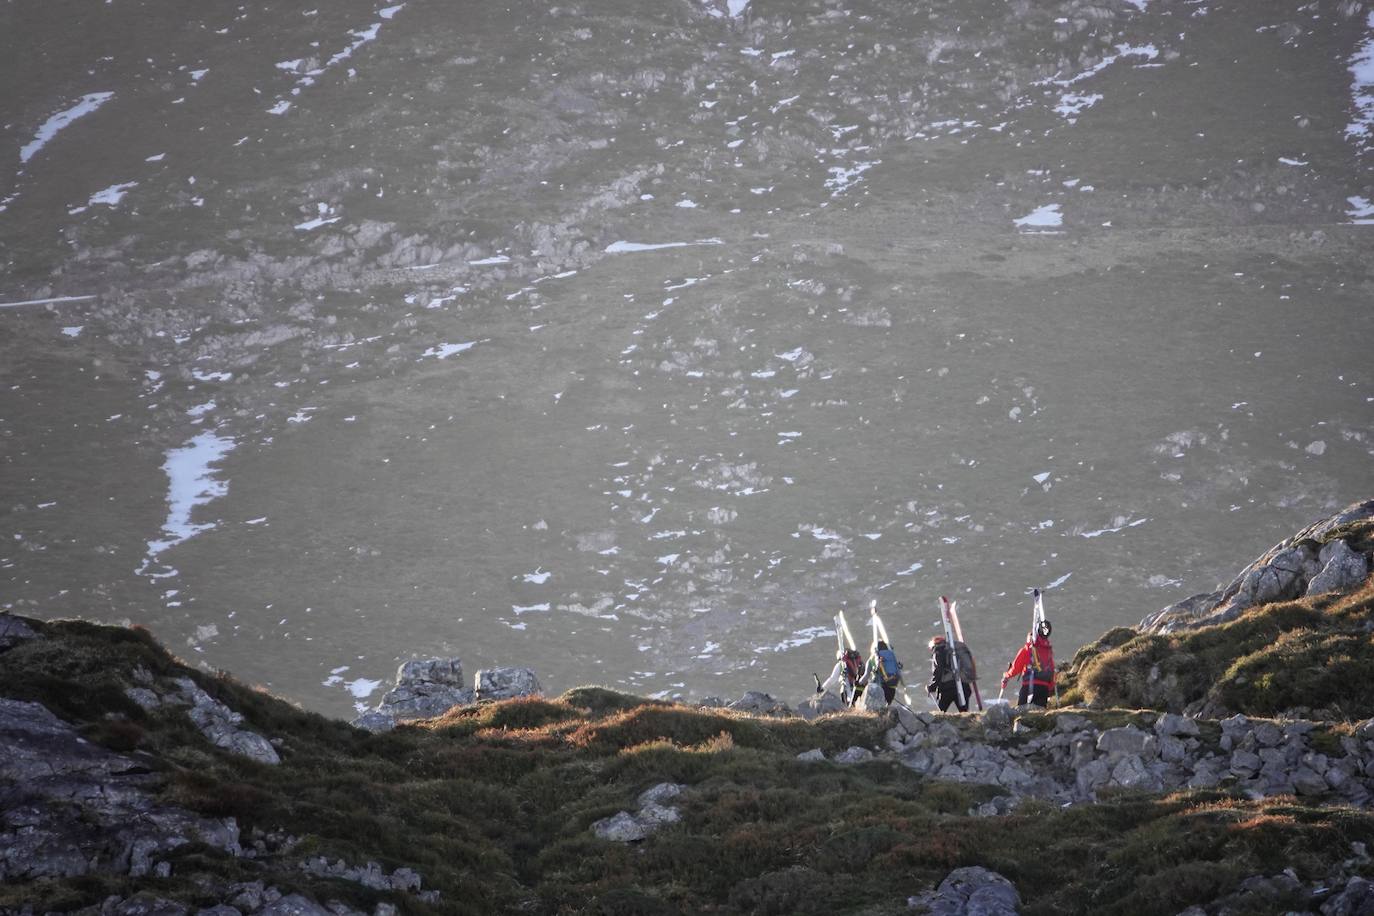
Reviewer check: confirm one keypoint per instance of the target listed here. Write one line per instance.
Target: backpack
(853, 665)
(967, 667)
(943, 663)
(888, 669)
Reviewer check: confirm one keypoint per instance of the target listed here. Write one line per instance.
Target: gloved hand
(1004, 683)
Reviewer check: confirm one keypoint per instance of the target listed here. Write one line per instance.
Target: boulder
(761, 704)
(221, 724)
(854, 755)
(83, 808)
(660, 794)
(425, 688)
(815, 755)
(446, 671)
(621, 828)
(819, 705)
(998, 717)
(13, 631)
(972, 891)
(1126, 740)
(1286, 570)
(1356, 898)
(506, 683)
(375, 721)
(873, 699)
(294, 905)
(1174, 724)
(1341, 569)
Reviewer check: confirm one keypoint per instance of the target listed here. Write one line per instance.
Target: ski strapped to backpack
(961, 658)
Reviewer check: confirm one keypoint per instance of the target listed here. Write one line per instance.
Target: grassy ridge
(493, 805)
(1313, 655)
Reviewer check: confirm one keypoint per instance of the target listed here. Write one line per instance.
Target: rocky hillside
(131, 783)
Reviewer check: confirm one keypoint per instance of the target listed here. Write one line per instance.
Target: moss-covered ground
(1313, 656)
(493, 805)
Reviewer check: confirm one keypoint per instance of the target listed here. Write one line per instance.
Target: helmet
(936, 641)
(1045, 628)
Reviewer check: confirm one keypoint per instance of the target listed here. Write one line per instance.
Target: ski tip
(1037, 593)
(944, 599)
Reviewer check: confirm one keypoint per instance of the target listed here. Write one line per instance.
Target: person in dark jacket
(1034, 664)
(944, 684)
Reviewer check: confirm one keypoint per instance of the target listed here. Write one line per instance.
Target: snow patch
(84, 106)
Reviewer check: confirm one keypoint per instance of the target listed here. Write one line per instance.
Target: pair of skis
(845, 639)
(954, 637)
(1037, 619)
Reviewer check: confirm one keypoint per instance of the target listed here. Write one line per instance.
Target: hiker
(944, 683)
(1034, 664)
(883, 668)
(846, 675)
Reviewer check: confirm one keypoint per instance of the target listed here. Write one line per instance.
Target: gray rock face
(653, 815)
(760, 703)
(506, 683)
(973, 891)
(13, 631)
(370, 875)
(1355, 899)
(70, 808)
(820, 705)
(1341, 569)
(873, 699)
(376, 721)
(854, 755)
(429, 687)
(1128, 740)
(294, 905)
(425, 688)
(1287, 570)
(221, 724)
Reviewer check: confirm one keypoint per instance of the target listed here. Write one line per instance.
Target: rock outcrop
(1316, 560)
(1073, 759)
(973, 891)
(70, 808)
(430, 687)
(761, 704)
(217, 722)
(652, 814)
(507, 683)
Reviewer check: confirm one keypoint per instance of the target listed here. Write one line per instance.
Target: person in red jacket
(1034, 664)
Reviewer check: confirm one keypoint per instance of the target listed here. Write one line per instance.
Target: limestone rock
(660, 794)
(873, 699)
(1355, 899)
(854, 755)
(761, 704)
(375, 721)
(425, 688)
(620, 828)
(1286, 570)
(1174, 724)
(998, 717)
(221, 724)
(1126, 740)
(294, 905)
(1341, 569)
(13, 631)
(973, 891)
(506, 683)
(819, 705)
(70, 808)
(814, 755)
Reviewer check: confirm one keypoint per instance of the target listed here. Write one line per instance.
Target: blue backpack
(888, 668)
